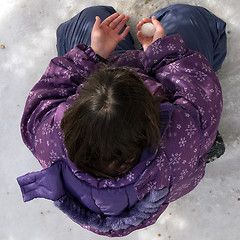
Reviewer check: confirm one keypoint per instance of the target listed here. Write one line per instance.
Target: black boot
(217, 149)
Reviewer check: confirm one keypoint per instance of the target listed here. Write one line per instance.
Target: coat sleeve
(190, 78)
(61, 81)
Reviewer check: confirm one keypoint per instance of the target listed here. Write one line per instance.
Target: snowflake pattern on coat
(167, 66)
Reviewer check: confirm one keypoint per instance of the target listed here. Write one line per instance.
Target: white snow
(27, 30)
(148, 29)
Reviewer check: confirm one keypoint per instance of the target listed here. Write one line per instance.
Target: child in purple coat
(122, 132)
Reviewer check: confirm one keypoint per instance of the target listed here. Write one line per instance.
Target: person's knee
(182, 5)
(60, 30)
(180, 8)
(174, 11)
(94, 10)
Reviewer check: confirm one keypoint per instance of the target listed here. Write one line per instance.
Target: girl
(121, 132)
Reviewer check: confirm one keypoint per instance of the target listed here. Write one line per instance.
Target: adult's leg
(78, 30)
(200, 29)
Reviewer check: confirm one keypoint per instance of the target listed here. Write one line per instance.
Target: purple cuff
(43, 184)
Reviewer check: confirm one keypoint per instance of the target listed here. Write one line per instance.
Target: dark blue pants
(200, 29)
(78, 30)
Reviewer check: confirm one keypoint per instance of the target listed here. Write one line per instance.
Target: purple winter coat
(189, 119)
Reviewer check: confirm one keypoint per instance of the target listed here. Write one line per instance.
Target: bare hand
(159, 32)
(105, 36)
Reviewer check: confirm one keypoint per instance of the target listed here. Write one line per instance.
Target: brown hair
(114, 118)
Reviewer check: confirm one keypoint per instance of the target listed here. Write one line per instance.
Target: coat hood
(132, 198)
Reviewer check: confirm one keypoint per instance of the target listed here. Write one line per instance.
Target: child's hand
(159, 33)
(105, 36)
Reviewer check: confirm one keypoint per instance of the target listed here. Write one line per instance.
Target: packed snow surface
(148, 29)
(27, 39)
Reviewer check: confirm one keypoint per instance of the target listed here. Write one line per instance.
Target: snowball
(148, 29)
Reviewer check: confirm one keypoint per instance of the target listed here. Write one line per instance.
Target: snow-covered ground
(27, 30)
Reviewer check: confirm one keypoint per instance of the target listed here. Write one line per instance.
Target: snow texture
(148, 29)
(27, 40)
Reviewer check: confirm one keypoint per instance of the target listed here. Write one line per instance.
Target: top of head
(114, 118)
